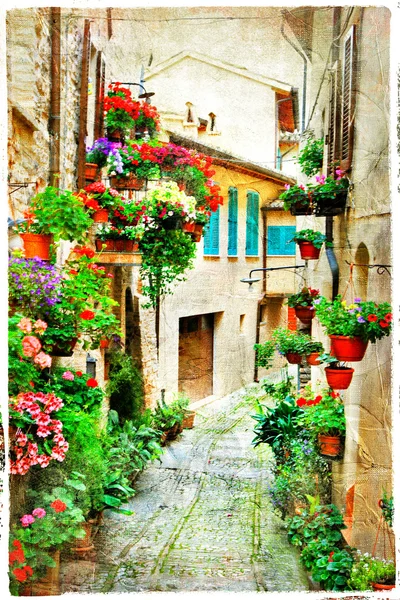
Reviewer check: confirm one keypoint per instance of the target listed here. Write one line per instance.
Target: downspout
(300, 53)
(264, 287)
(55, 105)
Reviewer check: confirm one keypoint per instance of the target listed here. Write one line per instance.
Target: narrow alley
(203, 519)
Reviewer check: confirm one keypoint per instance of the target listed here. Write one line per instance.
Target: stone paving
(202, 521)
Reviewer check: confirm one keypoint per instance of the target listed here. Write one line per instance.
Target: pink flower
(56, 426)
(339, 173)
(320, 179)
(287, 186)
(43, 431)
(31, 345)
(32, 449)
(43, 360)
(27, 520)
(43, 419)
(40, 326)
(301, 186)
(25, 325)
(22, 439)
(43, 460)
(39, 513)
(68, 376)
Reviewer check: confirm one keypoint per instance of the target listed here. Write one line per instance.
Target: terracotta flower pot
(119, 245)
(304, 313)
(109, 245)
(91, 171)
(115, 135)
(293, 358)
(381, 587)
(348, 349)
(100, 216)
(329, 445)
(104, 343)
(127, 183)
(65, 349)
(188, 419)
(37, 245)
(129, 245)
(308, 251)
(188, 227)
(313, 359)
(49, 584)
(84, 544)
(339, 379)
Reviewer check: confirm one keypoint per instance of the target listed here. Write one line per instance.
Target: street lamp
(144, 94)
(250, 280)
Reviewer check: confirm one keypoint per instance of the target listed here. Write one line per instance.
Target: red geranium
(87, 315)
(79, 373)
(58, 505)
(372, 318)
(384, 324)
(301, 402)
(92, 383)
(388, 317)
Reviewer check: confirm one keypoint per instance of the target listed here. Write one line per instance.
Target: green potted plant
(386, 504)
(326, 420)
(329, 194)
(338, 376)
(351, 326)
(369, 573)
(53, 214)
(297, 199)
(291, 344)
(313, 352)
(311, 156)
(102, 200)
(310, 243)
(302, 302)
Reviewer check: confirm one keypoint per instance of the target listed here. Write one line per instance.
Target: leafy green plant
(125, 386)
(279, 391)
(287, 341)
(264, 354)
(295, 195)
(326, 417)
(367, 570)
(276, 426)
(327, 188)
(71, 386)
(368, 320)
(308, 235)
(311, 156)
(305, 297)
(386, 504)
(166, 415)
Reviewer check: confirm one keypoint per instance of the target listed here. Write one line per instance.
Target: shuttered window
(334, 119)
(279, 237)
(252, 214)
(232, 221)
(83, 108)
(348, 99)
(100, 90)
(211, 235)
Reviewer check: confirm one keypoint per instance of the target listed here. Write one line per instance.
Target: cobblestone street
(202, 521)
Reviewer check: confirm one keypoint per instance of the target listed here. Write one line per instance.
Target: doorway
(196, 356)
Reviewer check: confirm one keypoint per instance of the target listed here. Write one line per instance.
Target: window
(278, 240)
(191, 116)
(232, 221)
(252, 212)
(348, 100)
(211, 235)
(212, 124)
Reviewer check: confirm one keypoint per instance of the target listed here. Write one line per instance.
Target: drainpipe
(55, 112)
(330, 255)
(264, 284)
(303, 108)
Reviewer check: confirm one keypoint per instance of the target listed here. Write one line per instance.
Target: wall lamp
(250, 280)
(143, 94)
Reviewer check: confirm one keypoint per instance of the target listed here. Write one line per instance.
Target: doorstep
(199, 403)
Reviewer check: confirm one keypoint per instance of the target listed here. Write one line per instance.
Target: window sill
(233, 256)
(212, 256)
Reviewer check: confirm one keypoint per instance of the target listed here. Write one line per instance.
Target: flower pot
(109, 245)
(91, 171)
(313, 359)
(188, 227)
(173, 432)
(37, 245)
(163, 438)
(196, 237)
(171, 223)
(129, 245)
(305, 314)
(65, 348)
(348, 349)
(104, 343)
(49, 584)
(188, 419)
(329, 445)
(115, 135)
(339, 379)
(119, 245)
(332, 206)
(293, 358)
(308, 251)
(381, 587)
(84, 544)
(100, 216)
(300, 209)
(127, 183)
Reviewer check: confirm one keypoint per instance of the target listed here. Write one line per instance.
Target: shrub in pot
(310, 243)
(291, 344)
(326, 420)
(302, 302)
(369, 573)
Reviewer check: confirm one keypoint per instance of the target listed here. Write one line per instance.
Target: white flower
(170, 213)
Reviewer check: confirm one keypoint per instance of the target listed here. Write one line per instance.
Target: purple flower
(317, 301)
(357, 300)
(351, 311)
(361, 319)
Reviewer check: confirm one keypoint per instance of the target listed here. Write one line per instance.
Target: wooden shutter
(100, 90)
(83, 107)
(279, 237)
(334, 120)
(252, 215)
(211, 236)
(348, 100)
(232, 221)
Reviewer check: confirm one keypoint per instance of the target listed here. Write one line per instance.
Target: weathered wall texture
(362, 235)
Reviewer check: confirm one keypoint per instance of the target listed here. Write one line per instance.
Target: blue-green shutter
(278, 240)
(252, 214)
(232, 221)
(211, 235)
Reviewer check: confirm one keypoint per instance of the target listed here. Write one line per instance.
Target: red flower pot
(91, 171)
(293, 358)
(127, 183)
(381, 587)
(304, 313)
(196, 237)
(313, 359)
(329, 445)
(348, 349)
(188, 227)
(308, 251)
(37, 245)
(339, 379)
(104, 343)
(109, 245)
(129, 245)
(100, 216)
(84, 544)
(119, 245)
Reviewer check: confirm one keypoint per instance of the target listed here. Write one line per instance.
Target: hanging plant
(311, 156)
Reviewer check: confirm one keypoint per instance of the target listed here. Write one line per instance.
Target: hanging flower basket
(329, 445)
(188, 227)
(381, 587)
(100, 216)
(348, 349)
(330, 207)
(339, 379)
(308, 251)
(130, 182)
(170, 223)
(305, 313)
(293, 358)
(313, 359)
(37, 245)
(65, 349)
(91, 170)
(299, 208)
